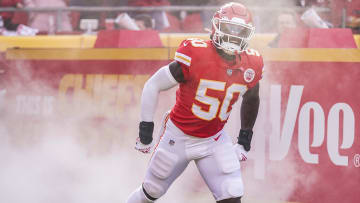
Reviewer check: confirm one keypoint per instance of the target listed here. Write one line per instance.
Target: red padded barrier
(128, 39)
(317, 38)
(193, 23)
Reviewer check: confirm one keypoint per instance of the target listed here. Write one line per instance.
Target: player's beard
(232, 45)
(230, 48)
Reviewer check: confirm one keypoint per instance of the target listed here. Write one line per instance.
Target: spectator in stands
(77, 16)
(352, 17)
(144, 21)
(192, 21)
(353, 22)
(318, 3)
(284, 20)
(325, 16)
(46, 21)
(138, 22)
(8, 16)
(160, 17)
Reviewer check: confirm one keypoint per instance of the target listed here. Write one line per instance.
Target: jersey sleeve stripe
(183, 58)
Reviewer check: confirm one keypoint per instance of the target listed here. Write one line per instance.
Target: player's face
(234, 33)
(232, 28)
(235, 30)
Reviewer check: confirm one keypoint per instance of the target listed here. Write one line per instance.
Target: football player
(211, 76)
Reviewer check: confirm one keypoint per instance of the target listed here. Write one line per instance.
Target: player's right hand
(144, 148)
(240, 152)
(145, 139)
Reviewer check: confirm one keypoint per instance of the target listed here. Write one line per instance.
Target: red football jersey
(212, 85)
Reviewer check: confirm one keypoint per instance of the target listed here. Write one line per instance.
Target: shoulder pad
(188, 49)
(252, 52)
(255, 58)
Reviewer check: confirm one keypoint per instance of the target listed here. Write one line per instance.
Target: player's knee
(163, 163)
(232, 188)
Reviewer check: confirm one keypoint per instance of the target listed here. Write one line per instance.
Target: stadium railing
(60, 10)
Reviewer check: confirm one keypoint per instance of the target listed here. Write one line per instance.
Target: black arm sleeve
(176, 71)
(250, 107)
(249, 110)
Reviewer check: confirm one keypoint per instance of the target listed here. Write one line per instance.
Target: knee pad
(232, 188)
(152, 189)
(226, 158)
(163, 163)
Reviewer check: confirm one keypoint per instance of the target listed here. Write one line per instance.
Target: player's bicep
(160, 81)
(176, 71)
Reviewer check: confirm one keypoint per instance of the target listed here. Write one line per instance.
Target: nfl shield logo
(171, 142)
(229, 72)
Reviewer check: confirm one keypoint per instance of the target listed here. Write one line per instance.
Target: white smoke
(74, 160)
(79, 162)
(71, 159)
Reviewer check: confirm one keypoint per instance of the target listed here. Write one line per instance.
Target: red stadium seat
(20, 18)
(193, 23)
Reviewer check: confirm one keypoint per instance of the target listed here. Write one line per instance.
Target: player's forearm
(160, 81)
(249, 109)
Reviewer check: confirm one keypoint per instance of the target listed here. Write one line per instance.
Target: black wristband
(145, 132)
(244, 139)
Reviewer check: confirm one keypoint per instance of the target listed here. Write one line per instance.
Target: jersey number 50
(213, 102)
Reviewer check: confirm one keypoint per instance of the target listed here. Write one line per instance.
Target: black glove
(244, 139)
(145, 132)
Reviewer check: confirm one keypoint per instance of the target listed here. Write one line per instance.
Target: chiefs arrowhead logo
(249, 75)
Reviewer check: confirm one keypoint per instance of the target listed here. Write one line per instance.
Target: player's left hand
(240, 152)
(144, 148)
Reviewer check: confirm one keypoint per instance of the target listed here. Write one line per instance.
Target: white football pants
(215, 158)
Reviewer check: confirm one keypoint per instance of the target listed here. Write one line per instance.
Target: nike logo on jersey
(185, 44)
(216, 138)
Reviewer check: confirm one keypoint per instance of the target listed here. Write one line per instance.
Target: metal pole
(58, 26)
(343, 17)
